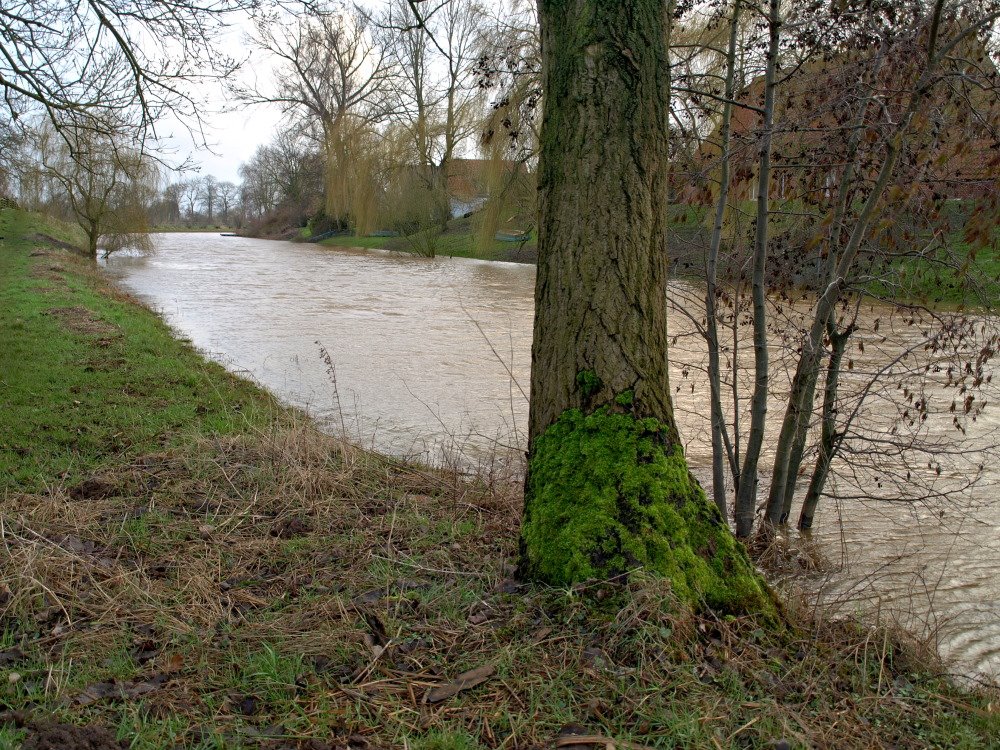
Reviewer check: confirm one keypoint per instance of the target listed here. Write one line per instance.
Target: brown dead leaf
(119, 690)
(541, 634)
(98, 691)
(175, 663)
(464, 681)
(11, 656)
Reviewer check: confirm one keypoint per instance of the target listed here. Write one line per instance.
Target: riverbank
(947, 274)
(686, 237)
(457, 241)
(184, 563)
(200, 228)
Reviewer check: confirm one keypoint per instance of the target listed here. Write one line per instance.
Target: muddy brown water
(430, 358)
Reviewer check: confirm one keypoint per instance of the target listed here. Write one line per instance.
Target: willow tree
(107, 187)
(608, 488)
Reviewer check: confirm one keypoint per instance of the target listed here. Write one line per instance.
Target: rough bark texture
(602, 270)
(93, 237)
(608, 488)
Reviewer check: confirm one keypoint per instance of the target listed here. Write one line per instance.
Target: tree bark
(607, 487)
(93, 235)
(747, 497)
(829, 437)
(600, 295)
(721, 449)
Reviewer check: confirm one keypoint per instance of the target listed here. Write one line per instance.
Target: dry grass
(287, 588)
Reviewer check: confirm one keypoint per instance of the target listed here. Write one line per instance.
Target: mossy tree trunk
(608, 488)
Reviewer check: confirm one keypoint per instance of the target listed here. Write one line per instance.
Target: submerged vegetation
(185, 564)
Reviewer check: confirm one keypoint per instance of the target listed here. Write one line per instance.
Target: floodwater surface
(430, 358)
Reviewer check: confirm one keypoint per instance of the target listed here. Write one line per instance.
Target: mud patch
(51, 241)
(50, 735)
(94, 488)
(81, 320)
(52, 272)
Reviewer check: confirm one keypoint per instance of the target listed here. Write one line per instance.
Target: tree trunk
(721, 449)
(747, 497)
(93, 231)
(607, 488)
(829, 438)
(795, 455)
(439, 189)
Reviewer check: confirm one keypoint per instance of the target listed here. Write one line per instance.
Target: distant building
(469, 182)
(955, 155)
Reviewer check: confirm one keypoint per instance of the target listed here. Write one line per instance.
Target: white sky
(233, 131)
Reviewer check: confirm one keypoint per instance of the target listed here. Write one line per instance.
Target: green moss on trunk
(608, 493)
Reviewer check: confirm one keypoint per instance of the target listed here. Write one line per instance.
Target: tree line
(379, 111)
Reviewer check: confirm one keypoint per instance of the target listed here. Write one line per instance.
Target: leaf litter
(343, 599)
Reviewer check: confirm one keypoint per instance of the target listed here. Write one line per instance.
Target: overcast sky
(233, 131)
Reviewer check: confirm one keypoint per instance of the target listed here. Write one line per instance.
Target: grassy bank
(183, 564)
(687, 238)
(950, 274)
(202, 228)
(457, 241)
(87, 376)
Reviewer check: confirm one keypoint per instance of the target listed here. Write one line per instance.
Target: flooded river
(430, 358)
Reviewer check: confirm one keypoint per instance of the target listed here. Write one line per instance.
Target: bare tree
(509, 73)
(228, 197)
(100, 64)
(441, 101)
(188, 194)
(208, 194)
(857, 175)
(333, 73)
(173, 195)
(929, 56)
(10, 145)
(108, 187)
(283, 176)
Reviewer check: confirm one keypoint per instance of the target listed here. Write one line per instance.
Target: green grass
(952, 275)
(86, 376)
(457, 241)
(249, 582)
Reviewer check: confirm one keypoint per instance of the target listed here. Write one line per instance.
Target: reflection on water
(428, 353)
